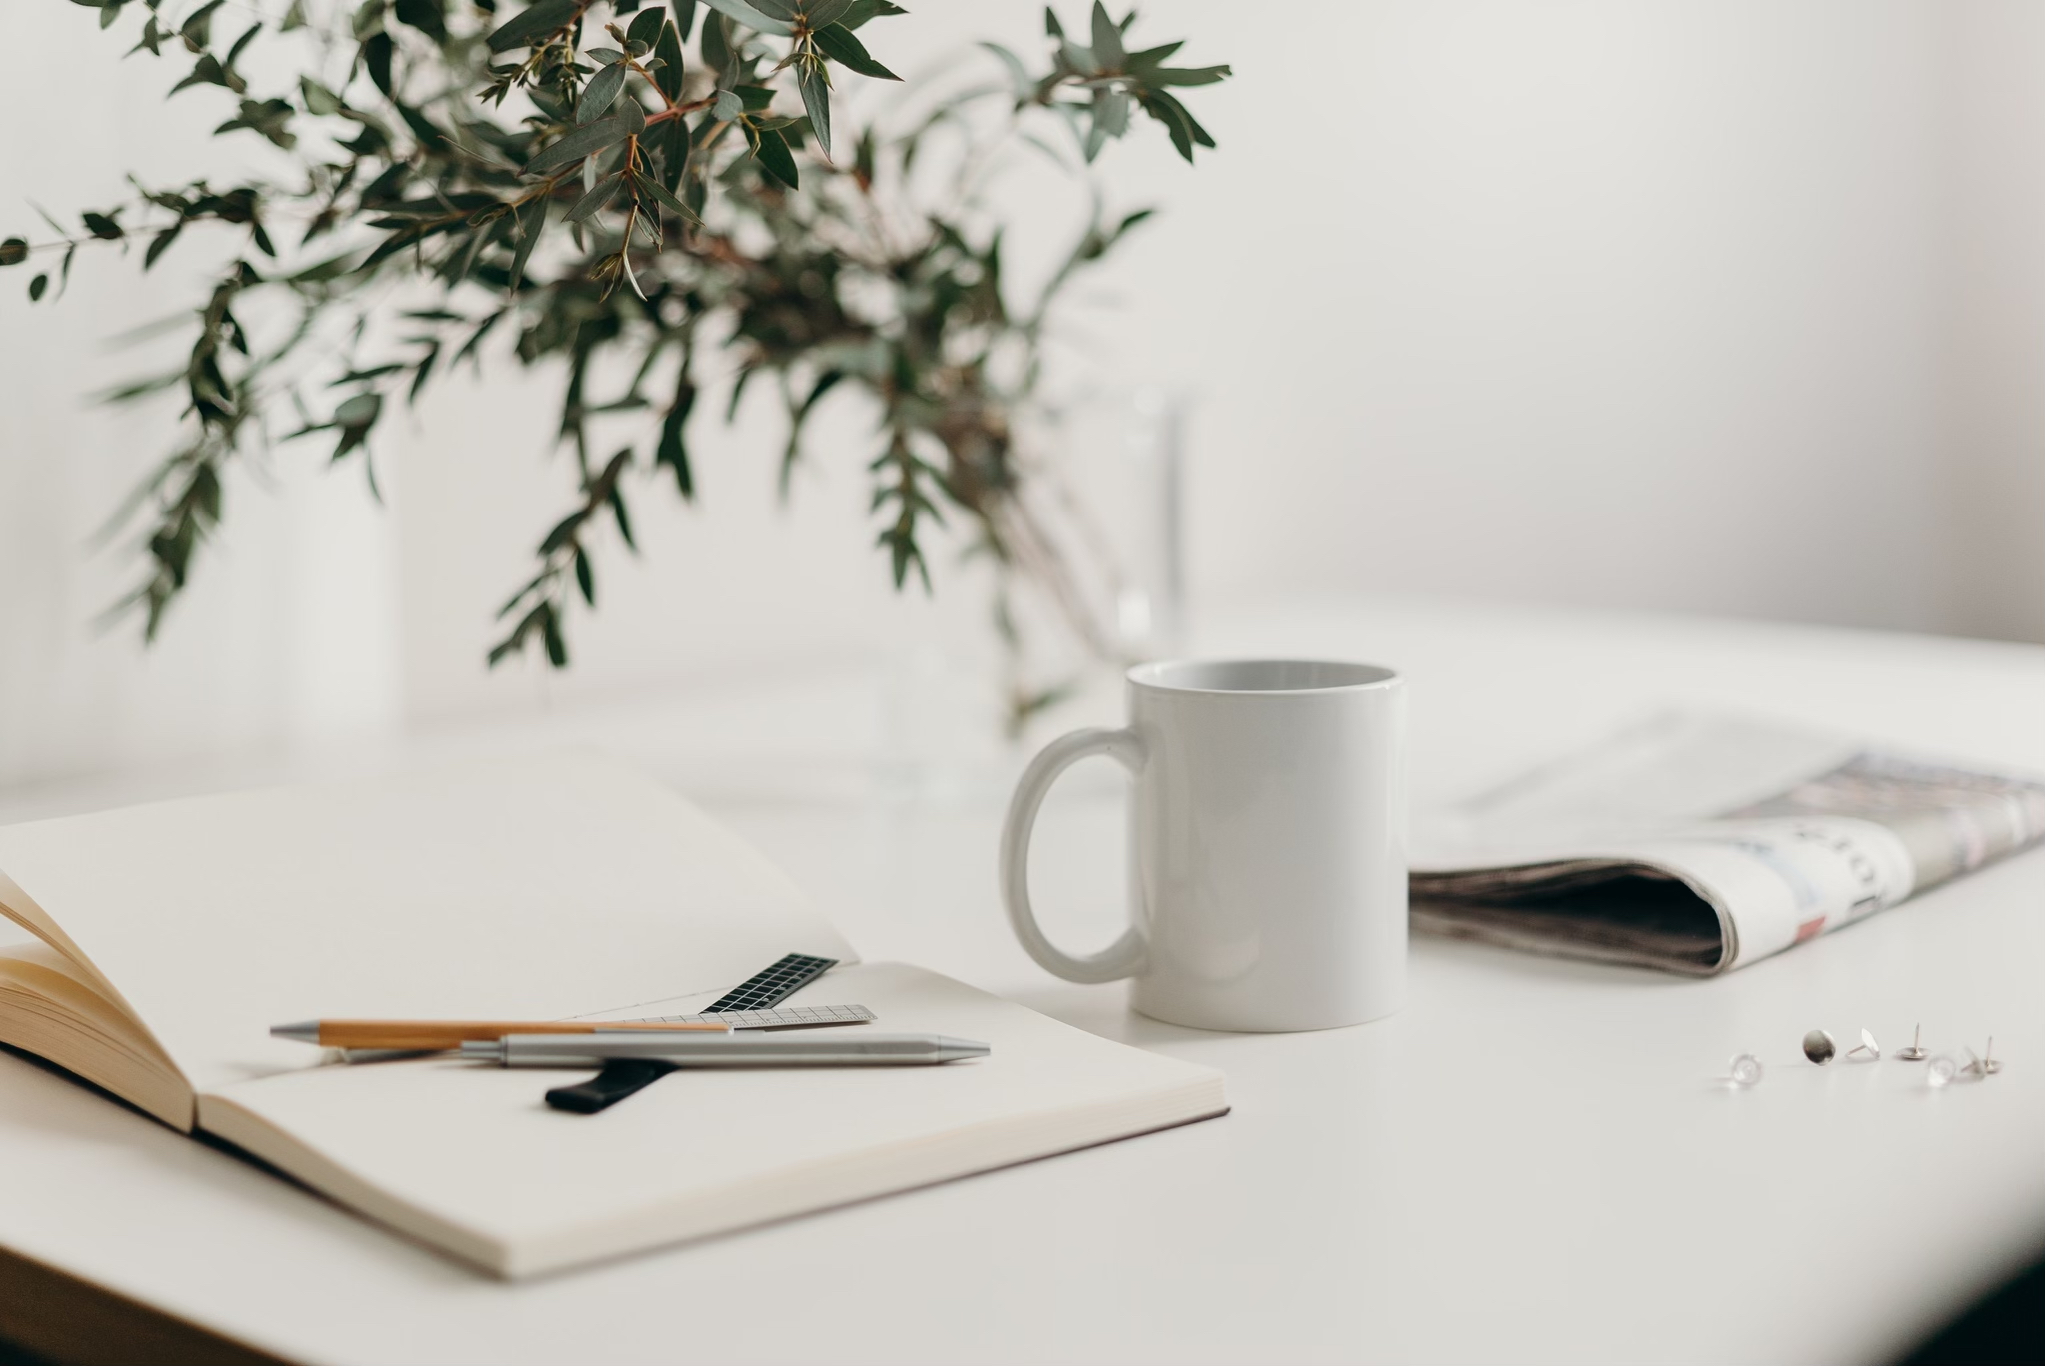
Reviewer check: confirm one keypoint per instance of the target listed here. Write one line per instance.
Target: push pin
(1940, 1071)
(1819, 1048)
(1746, 1070)
(1867, 1046)
(1914, 1053)
(1986, 1065)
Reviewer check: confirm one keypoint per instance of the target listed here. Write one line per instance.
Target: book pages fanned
(1699, 842)
(149, 950)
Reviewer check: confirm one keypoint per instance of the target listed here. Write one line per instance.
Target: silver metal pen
(723, 1050)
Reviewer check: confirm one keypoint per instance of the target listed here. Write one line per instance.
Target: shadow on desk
(2009, 1325)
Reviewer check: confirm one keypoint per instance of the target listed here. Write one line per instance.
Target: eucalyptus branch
(597, 179)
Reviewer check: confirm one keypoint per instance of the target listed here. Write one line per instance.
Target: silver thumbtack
(1914, 1053)
(1986, 1065)
(1940, 1071)
(1746, 1070)
(1818, 1047)
(1868, 1046)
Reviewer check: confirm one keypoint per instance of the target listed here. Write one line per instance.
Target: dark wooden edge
(2008, 1324)
(71, 1322)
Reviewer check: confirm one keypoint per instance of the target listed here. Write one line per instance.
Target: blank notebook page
(468, 1155)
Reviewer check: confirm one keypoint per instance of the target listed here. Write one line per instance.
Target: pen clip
(620, 1078)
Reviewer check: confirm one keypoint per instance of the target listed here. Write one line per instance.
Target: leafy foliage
(570, 174)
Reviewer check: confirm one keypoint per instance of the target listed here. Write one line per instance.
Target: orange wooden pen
(453, 1033)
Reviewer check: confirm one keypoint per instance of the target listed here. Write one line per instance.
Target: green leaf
(750, 17)
(377, 50)
(563, 532)
(359, 411)
(672, 451)
(197, 31)
(818, 14)
(672, 142)
(816, 100)
(205, 71)
(37, 286)
(424, 15)
(368, 18)
(318, 99)
(1018, 74)
(103, 227)
(516, 640)
(241, 45)
(606, 190)
(601, 92)
(1111, 111)
(13, 251)
(1185, 131)
(423, 371)
(161, 243)
(1052, 28)
(714, 43)
(624, 521)
(660, 194)
(550, 631)
(1107, 38)
(727, 106)
(1151, 56)
(585, 577)
(685, 16)
(838, 43)
(591, 137)
(862, 10)
(271, 118)
(537, 21)
(776, 158)
(532, 221)
(1187, 75)
(669, 50)
(646, 26)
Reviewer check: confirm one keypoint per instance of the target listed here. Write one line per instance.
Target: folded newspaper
(1701, 842)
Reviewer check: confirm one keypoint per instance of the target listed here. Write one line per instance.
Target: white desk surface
(1532, 1163)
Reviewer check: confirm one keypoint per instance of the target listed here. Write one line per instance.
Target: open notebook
(167, 938)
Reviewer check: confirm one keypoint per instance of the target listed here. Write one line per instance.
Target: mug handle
(1125, 956)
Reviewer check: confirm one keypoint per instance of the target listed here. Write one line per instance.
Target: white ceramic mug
(1267, 844)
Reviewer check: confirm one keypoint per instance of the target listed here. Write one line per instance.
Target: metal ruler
(787, 1017)
(753, 998)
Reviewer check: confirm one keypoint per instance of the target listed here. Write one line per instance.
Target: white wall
(1996, 312)
(289, 633)
(1723, 307)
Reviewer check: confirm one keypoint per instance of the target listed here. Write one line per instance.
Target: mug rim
(1153, 675)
